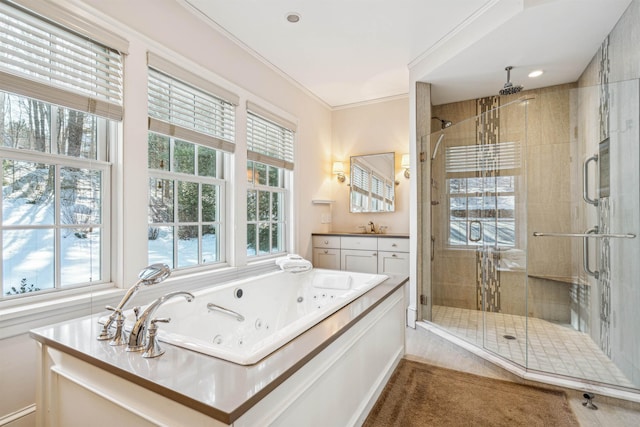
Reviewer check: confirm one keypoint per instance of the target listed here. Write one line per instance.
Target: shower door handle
(585, 180)
(479, 232)
(433, 248)
(591, 235)
(585, 252)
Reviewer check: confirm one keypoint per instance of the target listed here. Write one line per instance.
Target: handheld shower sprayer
(509, 88)
(443, 125)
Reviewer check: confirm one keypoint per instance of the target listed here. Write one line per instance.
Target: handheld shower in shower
(443, 125)
(509, 88)
(435, 150)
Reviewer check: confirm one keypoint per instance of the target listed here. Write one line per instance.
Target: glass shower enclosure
(534, 211)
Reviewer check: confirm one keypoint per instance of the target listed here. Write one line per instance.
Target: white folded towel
(293, 263)
(332, 281)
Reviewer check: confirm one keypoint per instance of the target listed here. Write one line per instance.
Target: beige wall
(379, 127)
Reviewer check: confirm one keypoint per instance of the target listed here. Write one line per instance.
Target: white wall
(373, 128)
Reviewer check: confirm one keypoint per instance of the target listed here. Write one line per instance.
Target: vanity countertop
(356, 234)
(178, 374)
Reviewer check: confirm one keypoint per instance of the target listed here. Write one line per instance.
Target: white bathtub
(276, 308)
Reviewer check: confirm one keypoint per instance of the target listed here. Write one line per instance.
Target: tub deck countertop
(188, 377)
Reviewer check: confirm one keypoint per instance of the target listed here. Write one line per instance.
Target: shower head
(509, 88)
(435, 150)
(443, 123)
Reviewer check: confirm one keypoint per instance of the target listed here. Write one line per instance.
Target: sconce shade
(338, 168)
(405, 164)
(406, 161)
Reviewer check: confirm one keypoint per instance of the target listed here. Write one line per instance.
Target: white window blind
(486, 157)
(268, 142)
(42, 60)
(186, 112)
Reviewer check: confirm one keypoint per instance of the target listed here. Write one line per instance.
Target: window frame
(107, 131)
(175, 177)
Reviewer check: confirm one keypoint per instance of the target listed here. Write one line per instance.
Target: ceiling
(352, 51)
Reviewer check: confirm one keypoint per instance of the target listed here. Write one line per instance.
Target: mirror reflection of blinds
(41, 60)
(377, 187)
(268, 142)
(360, 179)
(486, 157)
(183, 111)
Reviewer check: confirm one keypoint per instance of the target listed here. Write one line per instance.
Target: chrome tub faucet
(138, 336)
(150, 275)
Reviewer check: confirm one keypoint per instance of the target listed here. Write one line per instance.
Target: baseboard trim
(8, 419)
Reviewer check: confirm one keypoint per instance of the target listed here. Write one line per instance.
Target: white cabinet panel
(391, 244)
(393, 262)
(326, 242)
(326, 258)
(359, 261)
(360, 243)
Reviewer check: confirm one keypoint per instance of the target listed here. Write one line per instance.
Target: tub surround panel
(203, 384)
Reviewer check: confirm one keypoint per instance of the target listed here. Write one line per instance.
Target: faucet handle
(105, 332)
(153, 347)
(120, 337)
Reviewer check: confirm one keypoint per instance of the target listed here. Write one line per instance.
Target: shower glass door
(478, 227)
(534, 213)
(583, 275)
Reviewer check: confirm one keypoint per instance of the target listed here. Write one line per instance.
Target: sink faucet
(151, 275)
(371, 227)
(138, 335)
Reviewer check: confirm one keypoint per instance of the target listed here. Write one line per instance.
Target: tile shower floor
(553, 348)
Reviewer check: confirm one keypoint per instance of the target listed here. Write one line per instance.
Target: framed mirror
(372, 183)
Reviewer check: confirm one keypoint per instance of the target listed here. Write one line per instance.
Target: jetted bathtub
(246, 320)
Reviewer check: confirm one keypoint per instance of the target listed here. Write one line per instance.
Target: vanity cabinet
(359, 254)
(393, 256)
(326, 252)
(373, 253)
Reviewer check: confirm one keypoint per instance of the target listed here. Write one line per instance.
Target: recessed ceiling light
(536, 73)
(293, 17)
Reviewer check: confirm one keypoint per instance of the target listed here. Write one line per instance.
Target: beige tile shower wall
(548, 203)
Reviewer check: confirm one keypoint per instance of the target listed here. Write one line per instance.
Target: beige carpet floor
(419, 395)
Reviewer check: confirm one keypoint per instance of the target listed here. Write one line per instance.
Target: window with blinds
(191, 128)
(269, 166)
(60, 98)
(481, 181)
(41, 60)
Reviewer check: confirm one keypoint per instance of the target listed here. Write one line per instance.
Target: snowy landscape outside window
(185, 195)
(54, 192)
(481, 198)
(60, 102)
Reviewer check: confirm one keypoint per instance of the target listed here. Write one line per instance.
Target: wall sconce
(405, 164)
(338, 169)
